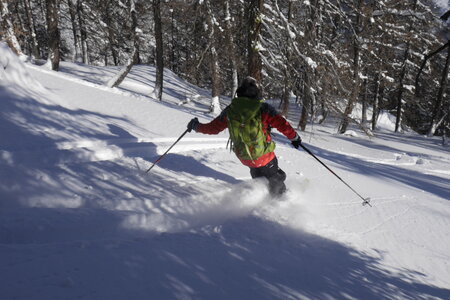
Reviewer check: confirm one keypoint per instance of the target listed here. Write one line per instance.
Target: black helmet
(249, 88)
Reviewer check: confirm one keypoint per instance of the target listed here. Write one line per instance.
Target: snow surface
(80, 219)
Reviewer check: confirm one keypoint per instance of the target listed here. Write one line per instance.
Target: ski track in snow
(386, 220)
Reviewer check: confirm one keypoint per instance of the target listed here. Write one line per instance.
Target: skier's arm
(215, 126)
(274, 119)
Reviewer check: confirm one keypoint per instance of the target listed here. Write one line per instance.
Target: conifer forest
(327, 56)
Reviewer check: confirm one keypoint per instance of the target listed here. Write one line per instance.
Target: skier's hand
(192, 125)
(296, 141)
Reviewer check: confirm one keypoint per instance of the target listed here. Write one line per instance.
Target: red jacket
(269, 117)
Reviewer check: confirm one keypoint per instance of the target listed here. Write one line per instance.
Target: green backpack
(246, 134)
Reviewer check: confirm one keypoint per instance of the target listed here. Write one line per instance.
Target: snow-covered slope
(80, 219)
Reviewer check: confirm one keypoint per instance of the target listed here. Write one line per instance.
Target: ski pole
(365, 200)
(162, 156)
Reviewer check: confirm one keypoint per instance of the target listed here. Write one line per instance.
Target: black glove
(296, 141)
(192, 125)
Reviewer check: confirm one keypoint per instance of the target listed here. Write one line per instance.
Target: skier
(249, 122)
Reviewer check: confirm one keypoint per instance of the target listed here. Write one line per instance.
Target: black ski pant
(274, 174)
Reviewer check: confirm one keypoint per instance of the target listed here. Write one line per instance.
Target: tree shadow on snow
(245, 258)
(414, 141)
(131, 147)
(68, 240)
(46, 158)
(436, 185)
(252, 258)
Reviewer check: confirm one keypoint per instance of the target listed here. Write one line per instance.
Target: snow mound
(351, 133)
(13, 71)
(386, 121)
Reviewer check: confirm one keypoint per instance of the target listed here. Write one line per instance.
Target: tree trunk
(254, 30)
(287, 86)
(354, 94)
(424, 61)
(446, 132)
(304, 115)
(398, 115)
(117, 80)
(231, 49)
(7, 24)
(19, 18)
(285, 98)
(35, 53)
(54, 39)
(437, 106)
(111, 37)
(324, 112)
(76, 38)
(403, 72)
(306, 103)
(375, 102)
(364, 105)
(356, 67)
(215, 76)
(83, 33)
(159, 50)
(175, 40)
